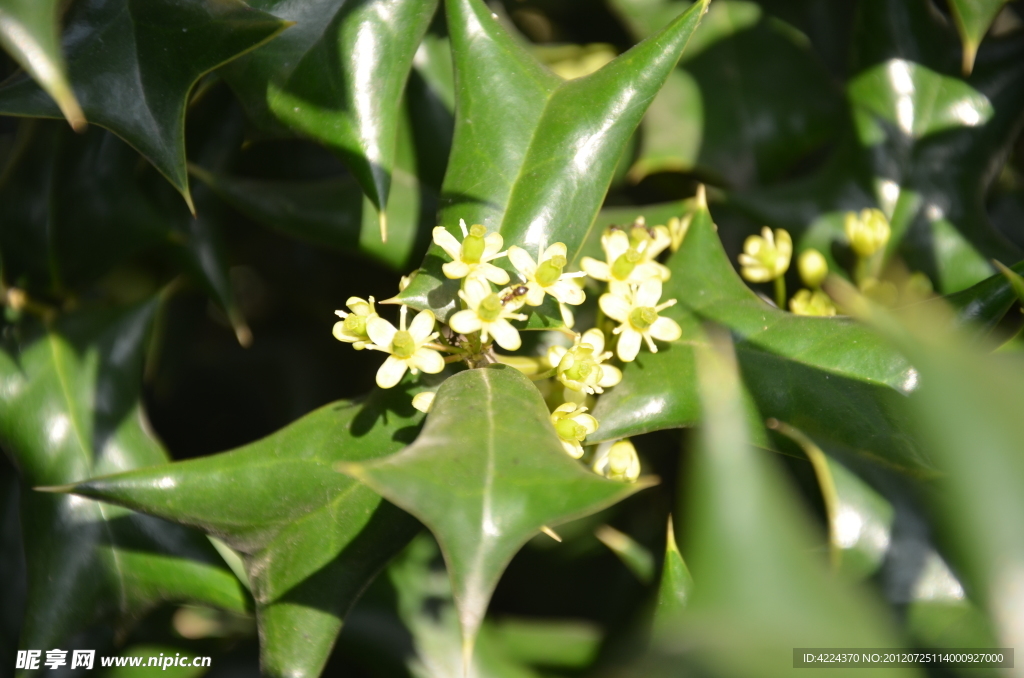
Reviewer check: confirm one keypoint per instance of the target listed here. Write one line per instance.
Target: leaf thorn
(551, 533)
(57, 489)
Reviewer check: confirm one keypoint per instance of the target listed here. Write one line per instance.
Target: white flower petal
(447, 242)
(566, 407)
(456, 269)
(504, 334)
(568, 319)
(556, 250)
(380, 331)
(665, 329)
(475, 290)
(534, 294)
(555, 354)
(422, 325)
(572, 448)
(465, 322)
(610, 376)
(648, 293)
(615, 245)
(586, 421)
(629, 345)
(492, 245)
(498, 276)
(595, 338)
(615, 307)
(598, 270)
(428, 360)
(359, 306)
(390, 373)
(567, 292)
(522, 260)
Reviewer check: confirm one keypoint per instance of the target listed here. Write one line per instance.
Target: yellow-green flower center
(569, 430)
(490, 308)
(355, 324)
(474, 244)
(642, 317)
(403, 345)
(638, 235)
(580, 369)
(625, 264)
(549, 271)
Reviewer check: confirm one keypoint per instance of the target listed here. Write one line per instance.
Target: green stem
(780, 292)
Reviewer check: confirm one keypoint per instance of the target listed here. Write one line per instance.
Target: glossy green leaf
(71, 408)
(311, 537)
(337, 77)
(860, 520)
(332, 212)
(729, 112)
(676, 586)
(30, 32)
(971, 401)
(533, 155)
(72, 207)
(633, 555)
(915, 99)
(132, 64)
(830, 377)
(973, 18)
(760, 590)
(486, 474)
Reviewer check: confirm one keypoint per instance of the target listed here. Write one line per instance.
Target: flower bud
(867, 232)
(423, 401)
(619, 462)
(806, 302)
(813, 267)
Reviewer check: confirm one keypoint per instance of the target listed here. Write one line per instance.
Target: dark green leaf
(72, 207)
(633, 555)
(973, 17)
(760, 591)
(70, 409)
(969, 400)
(337, 76)
(132, 64)
(311, 537)
(730, 112)
(830, 377)
(332, 212)
(487, 473)
(676, 585)
(533, 155)
(860, 520)
(30, 32)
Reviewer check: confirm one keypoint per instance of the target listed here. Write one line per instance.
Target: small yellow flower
(867, 232)
(485, 313)
(573, 425)
(580, 368)
(618, 462)
(629, 258)
(813, 267)
(766, 257)
(807, 302)
(406, 347)
(470, 257)
(352, 328)
(423, 401)
(546, 277)
(637, 312)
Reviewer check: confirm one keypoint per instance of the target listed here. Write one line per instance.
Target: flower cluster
(492, 301)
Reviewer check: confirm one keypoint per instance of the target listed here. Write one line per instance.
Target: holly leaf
(533, 155)
(675, 587)
(830, 377)
(973, 18)
(487, 473)
(72, 207)
(337, 77)
(30, 32)
(132, 64)
(750, 548)
(71, 408)
(311, 538)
